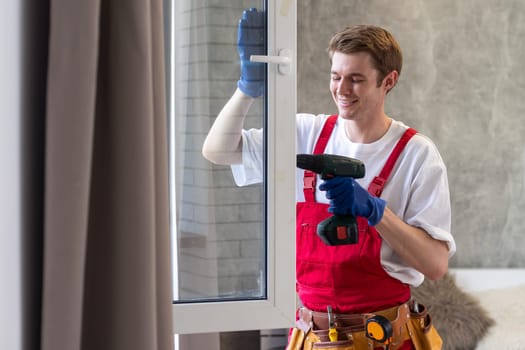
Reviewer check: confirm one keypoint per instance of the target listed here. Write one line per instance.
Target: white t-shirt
(416, 191)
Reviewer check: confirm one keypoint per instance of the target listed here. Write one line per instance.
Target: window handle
(283, 61)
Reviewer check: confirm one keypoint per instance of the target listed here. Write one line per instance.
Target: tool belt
(352, 331)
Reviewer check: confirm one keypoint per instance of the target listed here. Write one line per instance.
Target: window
(233, 247)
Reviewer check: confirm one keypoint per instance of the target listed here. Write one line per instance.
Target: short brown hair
(378, 42)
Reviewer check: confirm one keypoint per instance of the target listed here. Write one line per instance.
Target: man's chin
(346, 115)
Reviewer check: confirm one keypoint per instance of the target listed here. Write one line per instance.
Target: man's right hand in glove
(347, 197)
(251, 40)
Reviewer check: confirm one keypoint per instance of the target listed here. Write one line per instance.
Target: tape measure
(379, 329)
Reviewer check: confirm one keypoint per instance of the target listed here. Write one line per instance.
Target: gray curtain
(106, 273)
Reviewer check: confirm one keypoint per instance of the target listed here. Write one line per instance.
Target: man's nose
(345, 86)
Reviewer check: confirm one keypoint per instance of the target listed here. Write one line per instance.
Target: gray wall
(463, 85)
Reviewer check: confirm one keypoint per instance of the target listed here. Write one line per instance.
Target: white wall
(10, 177)
(23, 65)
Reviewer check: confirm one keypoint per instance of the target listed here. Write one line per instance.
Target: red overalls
(350, 278)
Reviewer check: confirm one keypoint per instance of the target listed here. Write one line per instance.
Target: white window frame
(278, 309)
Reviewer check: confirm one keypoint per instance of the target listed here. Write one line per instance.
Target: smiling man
(402, 204)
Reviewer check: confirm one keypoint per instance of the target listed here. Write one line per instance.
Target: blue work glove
(251, 40)
(347, 197)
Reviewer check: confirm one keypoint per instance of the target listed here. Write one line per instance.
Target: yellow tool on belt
(332, 332)
(379, 329)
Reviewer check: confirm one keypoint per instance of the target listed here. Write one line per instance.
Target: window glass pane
(218, 228)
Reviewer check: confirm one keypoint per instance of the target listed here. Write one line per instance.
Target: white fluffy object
(507, 307)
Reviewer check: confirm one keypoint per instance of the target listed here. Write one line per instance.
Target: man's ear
(390, 80)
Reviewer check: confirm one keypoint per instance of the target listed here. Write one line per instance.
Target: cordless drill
(337, 229)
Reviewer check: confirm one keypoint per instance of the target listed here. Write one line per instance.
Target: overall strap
(309, 176)
(378, 183)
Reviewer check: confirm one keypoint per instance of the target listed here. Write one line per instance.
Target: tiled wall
(221, 225)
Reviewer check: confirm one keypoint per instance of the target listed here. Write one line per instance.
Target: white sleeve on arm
(431, 208)
(422, 176)
(250, 171)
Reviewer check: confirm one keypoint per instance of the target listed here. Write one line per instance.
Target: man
(402, 204)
